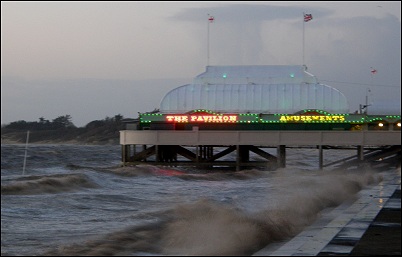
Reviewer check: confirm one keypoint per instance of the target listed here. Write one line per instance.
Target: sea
(80, 200)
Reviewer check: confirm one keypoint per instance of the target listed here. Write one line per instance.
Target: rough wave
(144, 170)
(47, 184)
(208, 227)
(152, 170)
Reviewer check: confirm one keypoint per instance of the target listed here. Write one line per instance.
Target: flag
(211, 19)
(373, 71)
(308, 17)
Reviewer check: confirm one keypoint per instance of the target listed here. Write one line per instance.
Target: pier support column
(157, 154)
(281, 156)
(237, 158)
(205, 152)
(144, 147)
(321, 157)
(200, 149)
(197, 153)
(244, 153)
(209, 152)
(123, 154)
(360, 152)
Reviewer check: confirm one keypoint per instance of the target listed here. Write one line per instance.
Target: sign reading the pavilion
(204, 118)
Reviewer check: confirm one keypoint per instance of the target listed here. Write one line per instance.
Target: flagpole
(373, 71)
(208, 40)
(303, 36)
(25, 156)
(367, 104)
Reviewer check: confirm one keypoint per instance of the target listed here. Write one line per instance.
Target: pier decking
(200, 147)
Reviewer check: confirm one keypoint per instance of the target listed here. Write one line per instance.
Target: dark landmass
(67, 136)
(61, 131)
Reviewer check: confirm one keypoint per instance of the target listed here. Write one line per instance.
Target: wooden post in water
(25, 157)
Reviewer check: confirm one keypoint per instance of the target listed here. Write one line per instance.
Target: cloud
(134, 51)
(239, 33)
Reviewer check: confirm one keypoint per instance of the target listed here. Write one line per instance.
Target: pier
(204, 148)
(229, 116)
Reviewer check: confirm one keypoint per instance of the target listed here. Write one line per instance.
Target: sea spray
(205, 228)
(210, 227)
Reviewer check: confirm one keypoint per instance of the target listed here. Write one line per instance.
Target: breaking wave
(208, 227)
(151, 170)
(47, 184)
(144, 170)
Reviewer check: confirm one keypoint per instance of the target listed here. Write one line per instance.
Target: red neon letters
(202, 118)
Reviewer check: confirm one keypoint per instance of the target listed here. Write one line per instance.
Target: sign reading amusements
(309, 118)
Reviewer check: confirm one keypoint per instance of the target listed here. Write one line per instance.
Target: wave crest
(47, 184)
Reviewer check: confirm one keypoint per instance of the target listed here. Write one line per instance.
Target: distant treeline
(63, 122)
(62, 130)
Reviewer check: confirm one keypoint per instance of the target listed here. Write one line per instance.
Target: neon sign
(202, 118)
(308, 118)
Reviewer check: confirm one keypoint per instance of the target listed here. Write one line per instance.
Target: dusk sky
(96, 59)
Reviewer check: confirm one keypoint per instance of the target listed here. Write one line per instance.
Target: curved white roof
(254, 89)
